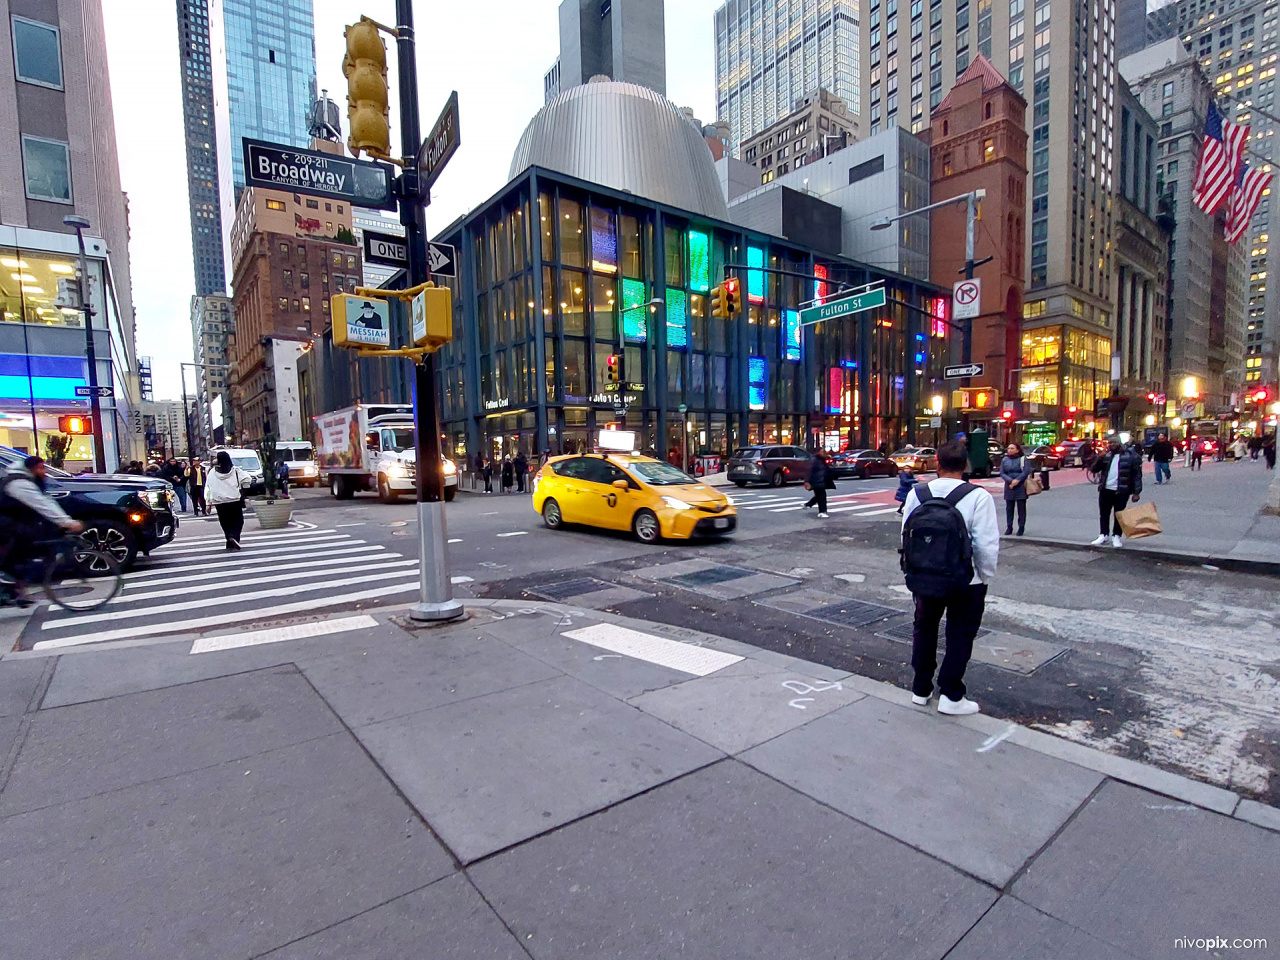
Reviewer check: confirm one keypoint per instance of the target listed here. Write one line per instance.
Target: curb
(1235, 564)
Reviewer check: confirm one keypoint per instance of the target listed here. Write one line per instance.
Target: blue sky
(493, 53)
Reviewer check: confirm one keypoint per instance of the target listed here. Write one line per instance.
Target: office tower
(771, 54)
(1208, 281)
(1236, 45)
(623, 40)
(58, 159)
(202, 151)
(820, 124)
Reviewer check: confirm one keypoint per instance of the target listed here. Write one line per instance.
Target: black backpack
(937, 548)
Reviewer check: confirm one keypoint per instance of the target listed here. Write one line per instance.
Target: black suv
(122, 514)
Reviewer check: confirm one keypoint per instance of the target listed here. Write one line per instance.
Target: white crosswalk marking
(196, 584)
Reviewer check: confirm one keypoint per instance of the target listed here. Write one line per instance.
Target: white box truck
(371, 446)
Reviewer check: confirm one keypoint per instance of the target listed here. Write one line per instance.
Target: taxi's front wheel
(551, 515)
(646, 528)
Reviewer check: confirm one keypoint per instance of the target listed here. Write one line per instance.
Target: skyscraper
(202, 147)
(1236, 46)
(770, 54)
(624, 40)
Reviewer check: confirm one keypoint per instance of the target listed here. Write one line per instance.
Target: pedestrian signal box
(432, 313)
(975, 399)
(73, 425)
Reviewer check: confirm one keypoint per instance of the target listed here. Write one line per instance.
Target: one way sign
(442, 259)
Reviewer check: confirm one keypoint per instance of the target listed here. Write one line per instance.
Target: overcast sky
(493, 53)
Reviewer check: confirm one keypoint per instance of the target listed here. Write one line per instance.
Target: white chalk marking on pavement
(491, 513)
(225, 619)
(148, 577)
(237, 598)
(298, 631)
(857, 506)
(994, 741)
(877, 513)
(517, 533)
(455, 540)
(684, 657)
(339, 526)
(274, 577)
(851, 577)
(461, 579)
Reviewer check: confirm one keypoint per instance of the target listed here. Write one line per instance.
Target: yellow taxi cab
(623, 491)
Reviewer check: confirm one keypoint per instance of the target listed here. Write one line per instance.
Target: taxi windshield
(661, 474)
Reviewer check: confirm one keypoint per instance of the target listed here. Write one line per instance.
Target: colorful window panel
(821, 289)
(699, 261)
(758, 382)
(604, 242)
(791, 346)
(755, 278)
(677, 318)
(635, 310)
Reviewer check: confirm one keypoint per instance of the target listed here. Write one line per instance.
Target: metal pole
(436, 601)
(91, 358)
(971, 215)
(186, 413)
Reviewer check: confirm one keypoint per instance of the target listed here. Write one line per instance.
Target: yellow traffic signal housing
(432, 316)
(975, 399)
(718, 304)
(368, 112)
(74, 425)
(613, 369)
(732, 296)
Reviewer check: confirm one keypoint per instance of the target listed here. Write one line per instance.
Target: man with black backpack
(950, 547)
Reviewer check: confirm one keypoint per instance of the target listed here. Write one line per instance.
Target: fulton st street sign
(867, 300)
(278, 166)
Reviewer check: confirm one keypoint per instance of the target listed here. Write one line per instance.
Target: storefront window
(697, 394)
(673, 241)
(603, 352)
(570, 222)
(698, 321)
(575, 370)
(635, 310)
(699, 261)
(1041, 386)
(551, 367)
(546, 221)
(1041, 346)
(602, 307)
(632, 257)
(37, 288)
(604, 242)
(755, 278)
(519, 238)
(573, 302)
(677, 319)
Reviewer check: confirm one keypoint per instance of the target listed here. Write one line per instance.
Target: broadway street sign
(281, 167)
(867, 300)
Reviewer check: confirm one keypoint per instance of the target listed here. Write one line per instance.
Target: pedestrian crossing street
(196, 583)
(864, 503)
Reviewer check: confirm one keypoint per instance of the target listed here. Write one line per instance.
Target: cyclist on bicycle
(26, 513)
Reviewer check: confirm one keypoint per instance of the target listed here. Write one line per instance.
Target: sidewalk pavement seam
(10, 760)
(501, 919)
(1053, 837)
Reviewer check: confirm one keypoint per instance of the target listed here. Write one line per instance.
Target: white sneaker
(808, 506)
(1117, 541)
(1099, 541)
(956, 708)
(824, 516)
(919, 701)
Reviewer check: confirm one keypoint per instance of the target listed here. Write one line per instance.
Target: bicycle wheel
(85, 579)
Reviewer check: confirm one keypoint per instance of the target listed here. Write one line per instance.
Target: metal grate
(710, 576)
(905, 632)
(853, 613)
(568, 588)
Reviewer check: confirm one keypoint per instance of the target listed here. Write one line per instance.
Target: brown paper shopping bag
(1140, 520)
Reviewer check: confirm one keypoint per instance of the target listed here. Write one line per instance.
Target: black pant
(1197, 461)
(231, 519)
(820, 498)
(1022, 514)
(1111, 502)
(197, 501)
(520, 482)
(964, 609)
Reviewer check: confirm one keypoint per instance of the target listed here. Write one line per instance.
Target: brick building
(282, 285)
(978, 140)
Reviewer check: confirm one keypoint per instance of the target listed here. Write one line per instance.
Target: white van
(300, 455)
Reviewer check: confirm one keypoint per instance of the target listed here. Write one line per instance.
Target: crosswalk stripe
(309, 547)
(353, 557)
(239, 598)
(241, 560)
(265, 535)
(274, 577)
(304, 538)
(876, 513)
(856, 506)
(223, 619)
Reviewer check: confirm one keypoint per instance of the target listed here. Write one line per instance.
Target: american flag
(1220, 156)
(1244, 200)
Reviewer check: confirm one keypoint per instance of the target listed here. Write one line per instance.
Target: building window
(275, 204)
(328, 208)
(36, 56)
(305, 278)
(313, 204)
(284, 247)
(988, 149)
(287, 275)
(866, 169)
(328, 226)
(351, 263)
(296, 306)
(339, 208)
(283, 304)
(1167, 92)
(47, 166)
(306, 304)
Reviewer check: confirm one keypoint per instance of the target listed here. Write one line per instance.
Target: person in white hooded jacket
(224, 492)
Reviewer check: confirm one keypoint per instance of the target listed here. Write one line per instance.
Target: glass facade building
(559, 279)
(202, 152)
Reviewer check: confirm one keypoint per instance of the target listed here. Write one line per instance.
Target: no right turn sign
(966, 299)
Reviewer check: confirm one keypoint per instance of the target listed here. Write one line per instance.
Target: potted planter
(274, 512)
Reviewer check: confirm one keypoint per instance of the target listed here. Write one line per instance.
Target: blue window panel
(699, 261)
(791, 348)
(677, 319)
(44, 388)
(15, 365)
(635, 310)
(755, 278)
(758, 380)
(604, 242)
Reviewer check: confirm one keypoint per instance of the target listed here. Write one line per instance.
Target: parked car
(123, 514)
(919, 459)
(774, 465)
(1072, 452)
(861, 464)
(1045, 458)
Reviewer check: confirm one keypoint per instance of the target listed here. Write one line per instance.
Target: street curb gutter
(1236, 564)
(1176, 786)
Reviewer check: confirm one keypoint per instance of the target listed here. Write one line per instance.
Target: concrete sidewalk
(549, 782)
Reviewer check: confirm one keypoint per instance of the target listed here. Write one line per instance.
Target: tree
(56, 446)
(345, 236)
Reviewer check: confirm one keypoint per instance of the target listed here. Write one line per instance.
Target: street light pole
(436, 602)
(80, 224)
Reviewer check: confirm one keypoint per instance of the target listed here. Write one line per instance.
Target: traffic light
(74, 425)
(1259, 396)
(368, 113)
(732, 296)
(719, 303)
(1006, 415)
(613, 369)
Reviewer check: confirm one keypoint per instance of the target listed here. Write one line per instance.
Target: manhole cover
(710, 576)
(853, 613)
(905, 632)
(568, 588)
